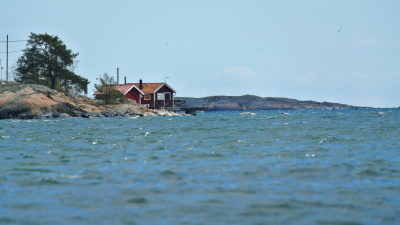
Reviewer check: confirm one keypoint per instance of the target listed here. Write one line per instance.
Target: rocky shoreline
(31, 101)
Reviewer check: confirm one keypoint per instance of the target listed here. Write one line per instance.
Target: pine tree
(47, 61)
(106, 89)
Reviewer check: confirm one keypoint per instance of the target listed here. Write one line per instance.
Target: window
(160, 96)
(147, 97)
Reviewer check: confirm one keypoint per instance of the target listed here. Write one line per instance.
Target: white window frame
(160, 96)
(147, 97)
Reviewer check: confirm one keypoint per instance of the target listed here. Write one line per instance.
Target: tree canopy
(47, 61)
(106, 89)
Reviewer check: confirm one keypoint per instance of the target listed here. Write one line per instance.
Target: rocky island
(31, 101)
(251, 102)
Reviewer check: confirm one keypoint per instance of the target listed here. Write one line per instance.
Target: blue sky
(226, 47)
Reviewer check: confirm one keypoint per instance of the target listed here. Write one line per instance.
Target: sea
(258, 167)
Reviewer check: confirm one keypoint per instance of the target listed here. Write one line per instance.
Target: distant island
(252, 102)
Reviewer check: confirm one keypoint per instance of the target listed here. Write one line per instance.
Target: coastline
(31, 101)
(252, 102)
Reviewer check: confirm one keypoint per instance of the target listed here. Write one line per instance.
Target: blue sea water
(264, 167)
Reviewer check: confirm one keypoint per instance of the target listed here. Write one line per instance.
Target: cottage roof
(125, 88)
(151, 88)
(148, 88)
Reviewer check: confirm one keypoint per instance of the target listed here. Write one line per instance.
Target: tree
(47, 61)
(106, 89)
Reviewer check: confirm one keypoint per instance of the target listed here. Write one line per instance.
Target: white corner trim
(165, 85)
(134, 86)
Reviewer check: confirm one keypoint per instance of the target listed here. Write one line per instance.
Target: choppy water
(274, 167)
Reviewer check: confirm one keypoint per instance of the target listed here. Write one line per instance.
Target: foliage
(47, 61)
(106, 89)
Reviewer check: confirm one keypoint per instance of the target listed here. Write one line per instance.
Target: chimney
(140, 84)
(125, 79)
(117, 75)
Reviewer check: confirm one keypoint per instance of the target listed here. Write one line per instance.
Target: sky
(343, 51)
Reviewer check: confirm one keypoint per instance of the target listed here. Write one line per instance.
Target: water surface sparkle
(271, 167)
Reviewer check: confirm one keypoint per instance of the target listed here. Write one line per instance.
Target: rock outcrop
(251, 102)
(30, 101)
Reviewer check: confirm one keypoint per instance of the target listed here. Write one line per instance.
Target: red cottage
(130, 91)
(156, 95)
(151, 95)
